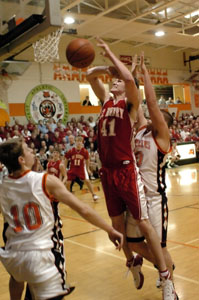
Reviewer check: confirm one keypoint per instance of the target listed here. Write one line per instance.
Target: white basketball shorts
(38, 269)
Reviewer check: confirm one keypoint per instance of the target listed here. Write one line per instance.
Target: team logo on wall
(44, 102)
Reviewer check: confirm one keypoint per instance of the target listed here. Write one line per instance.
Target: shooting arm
(92, 76)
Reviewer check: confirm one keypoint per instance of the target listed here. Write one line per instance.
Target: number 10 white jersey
(27, 211)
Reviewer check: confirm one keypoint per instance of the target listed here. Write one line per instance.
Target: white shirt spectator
(162, 102)
(184, 133)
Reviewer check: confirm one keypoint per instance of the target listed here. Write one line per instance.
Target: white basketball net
(46, 49)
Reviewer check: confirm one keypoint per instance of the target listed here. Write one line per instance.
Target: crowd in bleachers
(46, 136)
(185, 128)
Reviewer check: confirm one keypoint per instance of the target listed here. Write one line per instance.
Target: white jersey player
(30, 252)
(152, 143)
(151, 162)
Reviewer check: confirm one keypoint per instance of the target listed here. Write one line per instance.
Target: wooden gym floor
(98, 271)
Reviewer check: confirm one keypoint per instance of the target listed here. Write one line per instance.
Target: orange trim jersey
(28, 214)
(151, 162)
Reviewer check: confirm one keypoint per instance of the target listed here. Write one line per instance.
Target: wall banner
(45, 101)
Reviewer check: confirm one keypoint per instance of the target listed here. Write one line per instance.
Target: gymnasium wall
(165, 65)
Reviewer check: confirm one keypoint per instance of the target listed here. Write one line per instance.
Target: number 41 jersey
(115, 133)
(27, 211)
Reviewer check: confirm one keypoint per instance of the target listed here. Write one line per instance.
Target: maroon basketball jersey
(77, 158)
(115, 133)
(53, 168)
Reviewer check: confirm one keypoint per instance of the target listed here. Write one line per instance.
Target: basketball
(80, 53)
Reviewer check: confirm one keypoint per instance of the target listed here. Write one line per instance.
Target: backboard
(30, 30)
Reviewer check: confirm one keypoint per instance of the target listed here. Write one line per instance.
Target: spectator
(185, 133)
(82, 120)
(42, 127)
(52, 124)
(35, 139)
(7, 127)
(31, 125)
(177, 100)
(86, 102)
(71, 143)
(47, 140)
(91, 122)
(162, 102)
(42, 157)
(49, 153)
(169, 101)
(19, 126)
(60, 124)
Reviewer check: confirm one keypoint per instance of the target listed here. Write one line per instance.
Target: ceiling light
(168, 9)
(69, 20)
(193, 14)
(159, 33)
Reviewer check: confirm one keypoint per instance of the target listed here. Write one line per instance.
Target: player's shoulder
(69, 152)
(35, 174)
(85, 151)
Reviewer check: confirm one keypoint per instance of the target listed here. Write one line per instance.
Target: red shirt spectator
(30, 126)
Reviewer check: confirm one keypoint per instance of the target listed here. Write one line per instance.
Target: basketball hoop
(46, 49)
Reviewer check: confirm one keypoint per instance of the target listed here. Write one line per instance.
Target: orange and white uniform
(30, 235)
(151, 163)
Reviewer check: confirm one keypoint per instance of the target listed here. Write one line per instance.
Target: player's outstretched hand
(134, 65)
(116, 238)
(142, 64)
(106, 50)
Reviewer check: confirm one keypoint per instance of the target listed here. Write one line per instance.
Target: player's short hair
(10, 152)
(168, 117)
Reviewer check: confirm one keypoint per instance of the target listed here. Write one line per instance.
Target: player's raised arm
(123, 73)
(63, 173)
(159, 124)
(140, 120)
(96, 83)
(57, 189)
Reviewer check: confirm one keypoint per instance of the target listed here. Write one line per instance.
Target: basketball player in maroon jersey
(120, 178)
(152, 144)
(79, 159)
(56, 167)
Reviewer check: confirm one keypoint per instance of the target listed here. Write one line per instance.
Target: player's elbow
(90, 76)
